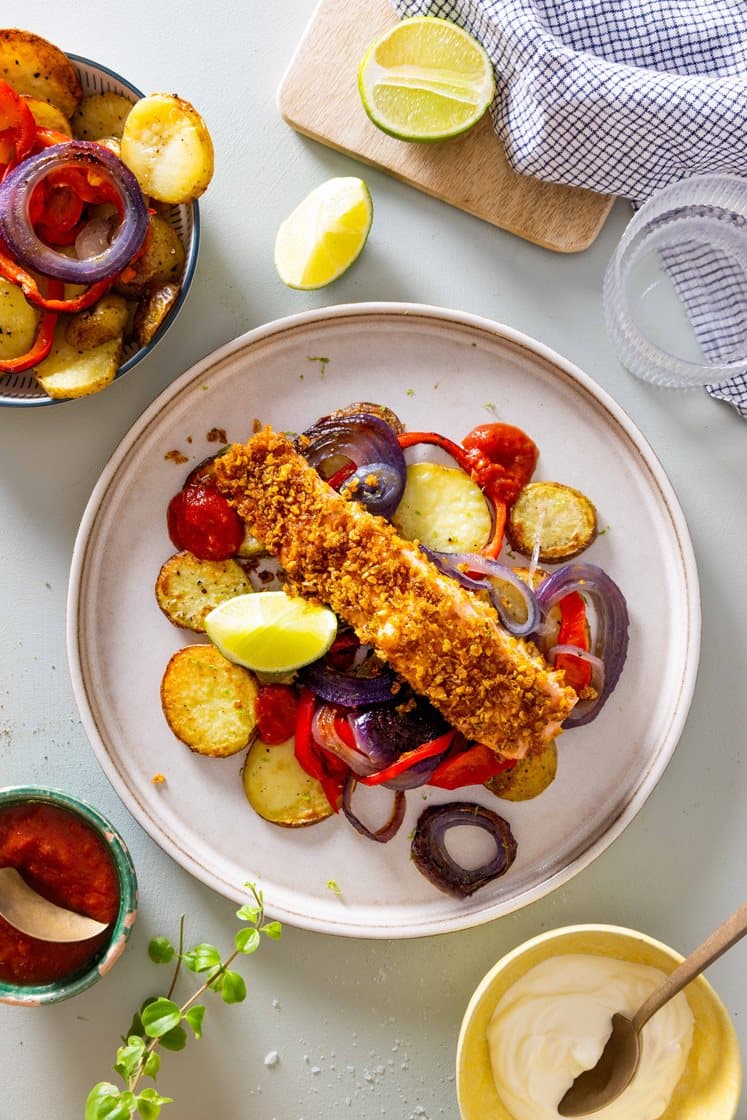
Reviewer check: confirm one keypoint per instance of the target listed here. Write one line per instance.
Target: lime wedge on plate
(270, 631)
(324, 234)
(425, 79)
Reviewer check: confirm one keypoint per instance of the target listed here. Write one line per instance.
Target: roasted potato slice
(187, 589)
(208, 702)
(529, 777)
(562, 519)
(18, 321)
(167, 146)
(152, 309)
(34, 66)
(443, 508)
(381, 410)
(103, 322)
(161, 263)
(68, 372)
(48, 116)
(100, 115)
(279, 789)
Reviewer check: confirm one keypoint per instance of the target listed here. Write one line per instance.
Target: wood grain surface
(319, 97)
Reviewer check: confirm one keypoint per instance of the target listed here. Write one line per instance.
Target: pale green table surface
(362, 1029)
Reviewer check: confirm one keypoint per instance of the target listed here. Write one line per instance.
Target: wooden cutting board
(319, 97)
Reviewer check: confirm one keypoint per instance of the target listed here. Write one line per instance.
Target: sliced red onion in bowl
(512, 598)
(30, 251)
(387, 831)
(431, 858)
(365, 439)
(609, 629)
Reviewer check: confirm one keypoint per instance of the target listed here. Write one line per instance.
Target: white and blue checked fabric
(622, 98)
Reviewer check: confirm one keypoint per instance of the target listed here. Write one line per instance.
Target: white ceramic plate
(442, 370)
(22, 389)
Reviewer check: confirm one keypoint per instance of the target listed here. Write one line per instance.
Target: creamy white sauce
(554, 1021)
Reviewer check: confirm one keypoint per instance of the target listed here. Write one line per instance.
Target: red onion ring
(493, 574)
(610, 630)
(367, 440)
(431, 858)
(388, 830)
(18, 233)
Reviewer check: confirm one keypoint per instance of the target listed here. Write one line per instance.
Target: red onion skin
(381, 835)
(17, 232)
(431, 858)
(611, 637)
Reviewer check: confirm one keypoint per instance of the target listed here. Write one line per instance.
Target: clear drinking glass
(675, 291)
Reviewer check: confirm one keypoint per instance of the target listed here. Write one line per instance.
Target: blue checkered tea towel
(622, 98)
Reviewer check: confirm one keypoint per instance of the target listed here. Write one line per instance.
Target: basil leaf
(247, 940)
(194, 1017)
(234, 988)
(160, 1017)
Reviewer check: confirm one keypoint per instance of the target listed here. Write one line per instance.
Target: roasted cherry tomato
(200, 520)
(275, 709)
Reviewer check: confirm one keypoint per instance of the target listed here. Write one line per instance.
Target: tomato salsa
(63, 859)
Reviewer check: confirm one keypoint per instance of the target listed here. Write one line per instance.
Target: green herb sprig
(161, 1021)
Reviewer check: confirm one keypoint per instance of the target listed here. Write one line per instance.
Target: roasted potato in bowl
(84, 99)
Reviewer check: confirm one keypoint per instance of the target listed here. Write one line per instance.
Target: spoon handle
(727, 934)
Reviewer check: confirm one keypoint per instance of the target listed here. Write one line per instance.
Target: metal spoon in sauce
(596, 1087)
(28, 912)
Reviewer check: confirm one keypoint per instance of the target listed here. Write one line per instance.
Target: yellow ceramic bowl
(711, 1085)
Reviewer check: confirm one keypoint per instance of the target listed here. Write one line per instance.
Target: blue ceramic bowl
(35, 995)
(22, 389)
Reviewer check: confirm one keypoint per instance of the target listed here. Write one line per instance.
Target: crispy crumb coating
(443, 640)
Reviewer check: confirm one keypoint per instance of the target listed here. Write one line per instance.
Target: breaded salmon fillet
(443, 640)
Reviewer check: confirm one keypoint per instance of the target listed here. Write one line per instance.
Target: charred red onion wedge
(21, 238)
(609, 626)
(383, 734)
(513, 599)
(325, 733)
(348, 690)
(368, 441)
(433, 860)
(388, 830)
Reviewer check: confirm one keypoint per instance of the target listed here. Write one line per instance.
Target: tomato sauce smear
(63, 859)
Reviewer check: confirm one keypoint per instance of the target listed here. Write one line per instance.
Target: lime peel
(270, 631)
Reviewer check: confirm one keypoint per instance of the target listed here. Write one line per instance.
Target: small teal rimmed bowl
(35, 995)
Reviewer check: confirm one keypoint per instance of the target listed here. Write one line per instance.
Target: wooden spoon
(596, 1087)
(28, 912)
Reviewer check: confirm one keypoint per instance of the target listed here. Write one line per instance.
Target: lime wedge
(270, 631)
(324, 234)
(425, 79)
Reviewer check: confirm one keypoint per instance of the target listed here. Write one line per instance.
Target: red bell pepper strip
(573, 632)
(328, 770)
(42, 342)
(17, 127)
(13, 271)
(471, 767)
(409, 758)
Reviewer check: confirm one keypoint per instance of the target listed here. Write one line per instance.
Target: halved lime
(425, 79)
(325, 234)
(270, 631)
